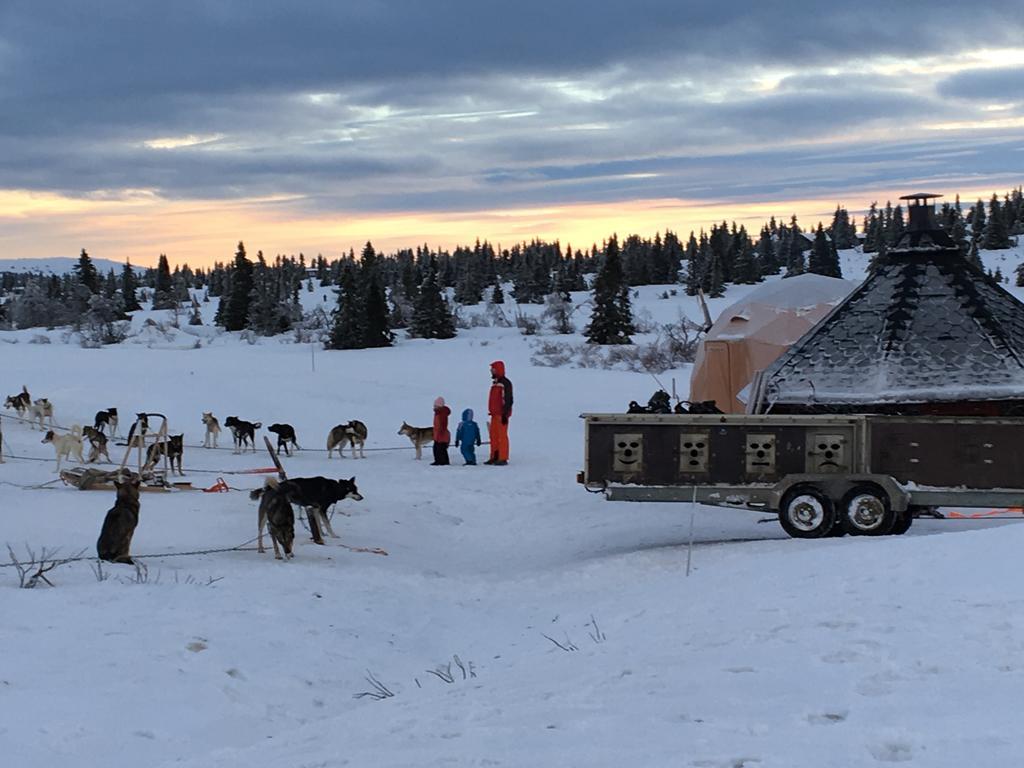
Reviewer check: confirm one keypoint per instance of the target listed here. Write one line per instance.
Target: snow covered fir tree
(611, 321)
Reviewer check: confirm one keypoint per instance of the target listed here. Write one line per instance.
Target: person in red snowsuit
(441, 434)
(499, 408)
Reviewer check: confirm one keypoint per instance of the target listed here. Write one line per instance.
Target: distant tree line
(421, 289)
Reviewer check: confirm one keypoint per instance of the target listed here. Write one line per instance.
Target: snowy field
(583, 641)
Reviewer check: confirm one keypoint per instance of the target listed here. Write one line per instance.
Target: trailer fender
(836, 486)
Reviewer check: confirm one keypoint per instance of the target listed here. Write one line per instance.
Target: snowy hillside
(59, 265)
(580, 639)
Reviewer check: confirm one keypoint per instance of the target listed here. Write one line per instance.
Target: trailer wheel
(866, 511)
(807, 513)
(903, 521)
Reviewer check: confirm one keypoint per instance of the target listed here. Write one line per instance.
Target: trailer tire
(865, 511)
(903, 522)
(807, 513)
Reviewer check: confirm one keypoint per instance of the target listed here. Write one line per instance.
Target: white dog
(65, 445)
(40, 410)
(212, 429)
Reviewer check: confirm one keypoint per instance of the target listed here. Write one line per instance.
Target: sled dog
(419, 436)
(97, 443)
(317, 494)
(285, 434)
(277, 516)
(41, 410)
(174, 448)
(65, 445)
(104, 419)
(212, 429)
(19, 402)
(352, 433)
(243, 432)
(115, 541)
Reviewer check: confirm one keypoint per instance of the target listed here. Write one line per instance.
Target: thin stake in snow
(693, 515)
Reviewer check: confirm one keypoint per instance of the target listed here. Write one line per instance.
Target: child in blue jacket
(468, 434)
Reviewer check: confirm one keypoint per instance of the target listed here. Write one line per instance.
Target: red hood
(498, 367)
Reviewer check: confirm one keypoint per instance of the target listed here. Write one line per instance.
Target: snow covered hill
(58, 265)
(580, 640)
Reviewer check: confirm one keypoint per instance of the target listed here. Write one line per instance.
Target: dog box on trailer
(828, 463)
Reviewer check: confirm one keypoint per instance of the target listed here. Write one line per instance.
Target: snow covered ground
(584, 642)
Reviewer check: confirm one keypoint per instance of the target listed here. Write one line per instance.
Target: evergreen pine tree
(376, 324)
(497, 295)
(347, 330)
(129, 288)
(236, 306)
(432, 319)
(996, 235)
(85, 272)
(163, 290)
(612, 319)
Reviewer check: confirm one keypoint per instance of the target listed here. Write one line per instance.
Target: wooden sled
(90, 479)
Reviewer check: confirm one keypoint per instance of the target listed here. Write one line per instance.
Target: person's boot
(493, 459)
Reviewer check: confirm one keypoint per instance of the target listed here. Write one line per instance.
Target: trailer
(821, 474)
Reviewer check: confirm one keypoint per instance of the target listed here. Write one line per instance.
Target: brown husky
(277, 515)
(115, 540)
(351, 433)
(419, 436)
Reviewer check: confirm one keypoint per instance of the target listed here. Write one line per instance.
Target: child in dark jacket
(468, 434)
(441, 434)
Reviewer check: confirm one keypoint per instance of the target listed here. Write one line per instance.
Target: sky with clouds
(134, 128)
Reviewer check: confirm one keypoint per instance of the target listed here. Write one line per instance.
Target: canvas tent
(750, 334)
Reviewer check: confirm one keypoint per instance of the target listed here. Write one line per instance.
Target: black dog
(243, 432)
(104, 419)
(115, 541)
(277, 515)
(174, 448)
(285, 434)
(19, 402)
(317, 494)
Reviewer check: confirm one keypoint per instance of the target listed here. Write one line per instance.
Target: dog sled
(91, 479)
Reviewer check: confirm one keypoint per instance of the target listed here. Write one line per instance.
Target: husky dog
(115, 541)
(212, 429)
(97, 443)
(285, 434)
(419, 436)
(65, 445)
(40, 410)
(174, 448)
(351, 433)
(19, 402)
(243, 432)
(142, 424)
(277, 516)
(104, 419)
(317, 494)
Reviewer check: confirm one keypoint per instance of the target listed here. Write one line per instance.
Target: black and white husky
(243, 432)
(317, 494)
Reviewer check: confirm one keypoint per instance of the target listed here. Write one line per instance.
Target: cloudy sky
(134, 128)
